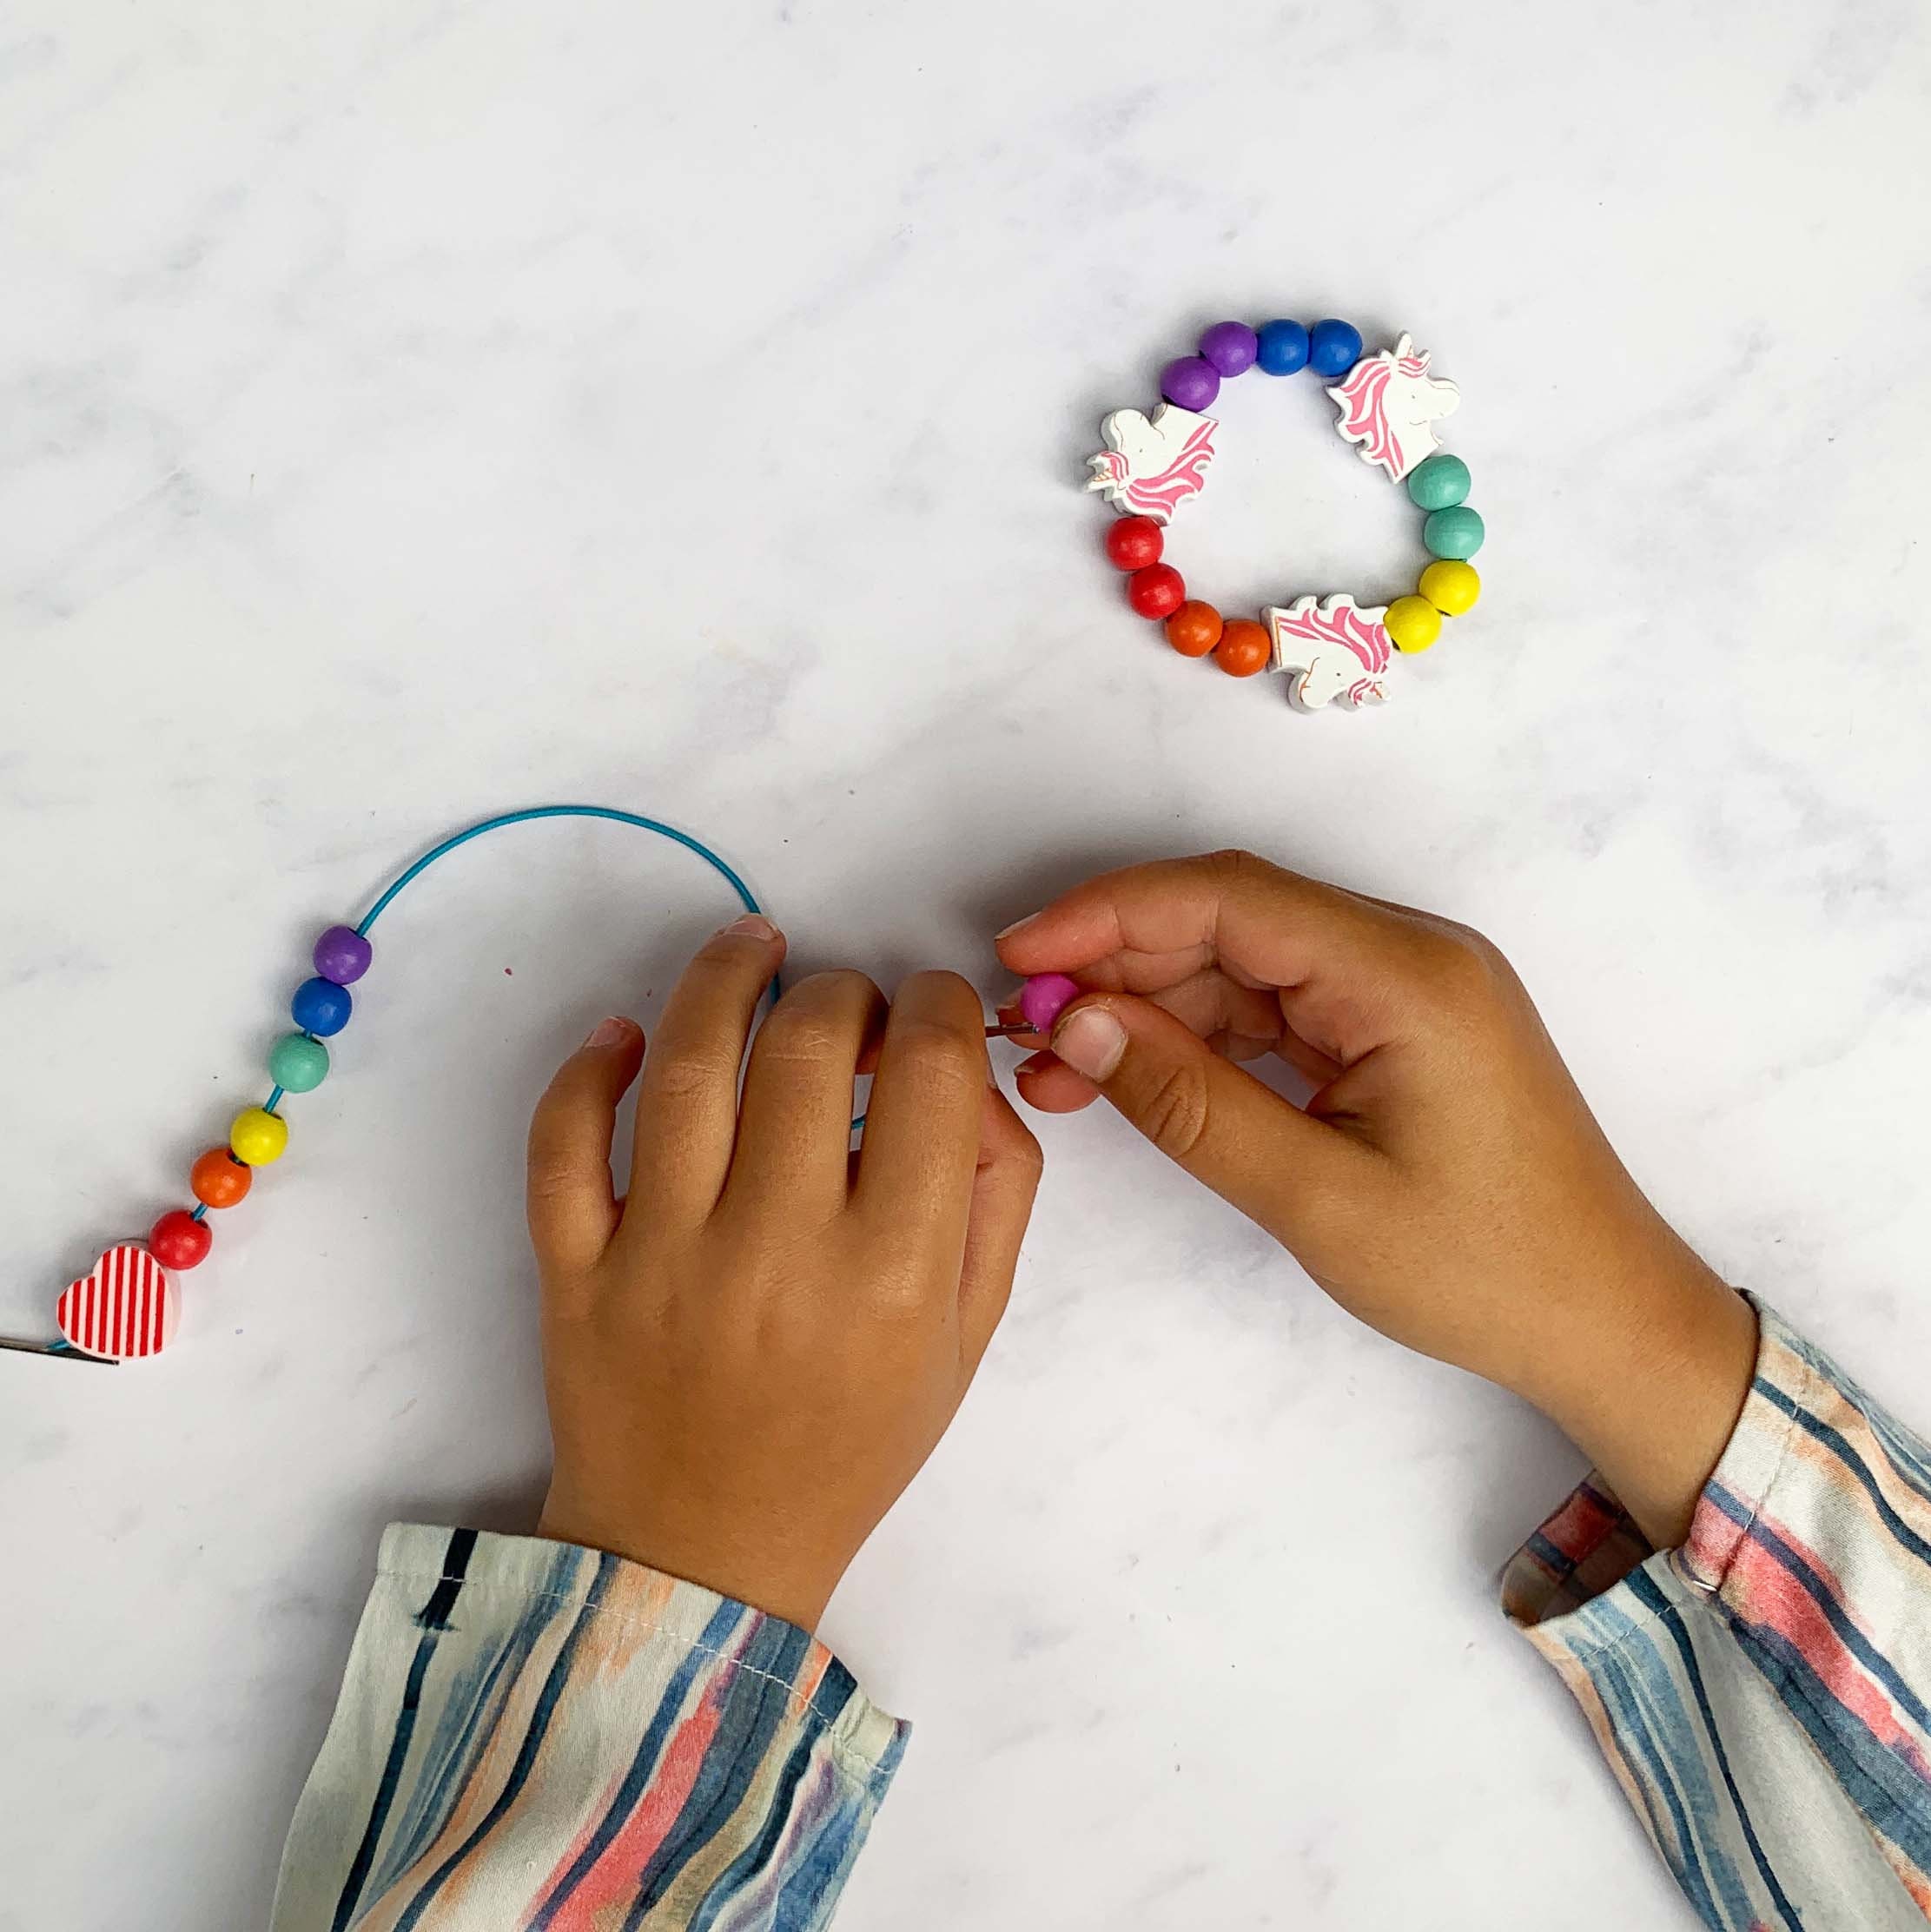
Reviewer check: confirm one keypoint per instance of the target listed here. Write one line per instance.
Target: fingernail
(1091, 1043)
(1018, 925)
(607, 1033)
(753, 925)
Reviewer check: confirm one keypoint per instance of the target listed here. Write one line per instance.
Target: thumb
(1251, 1148)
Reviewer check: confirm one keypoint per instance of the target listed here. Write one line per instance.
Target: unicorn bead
(1152, 464)
(1390, 404)
(1331, 649)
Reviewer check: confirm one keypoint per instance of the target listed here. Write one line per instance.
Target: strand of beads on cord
(125, 1307)
(298, 1063)
(1451, 532)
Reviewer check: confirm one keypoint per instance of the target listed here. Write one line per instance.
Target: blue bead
(1283, 347)
(1333, 347)
(320, 1007)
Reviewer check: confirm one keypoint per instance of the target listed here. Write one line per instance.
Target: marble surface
(415, 408)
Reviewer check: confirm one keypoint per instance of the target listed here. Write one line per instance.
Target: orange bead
(218, 1180)
(1244, 647)
(1194, 628)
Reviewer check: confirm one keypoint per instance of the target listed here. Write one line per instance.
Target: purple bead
(1044, 998)
(1231, 347)
(1190, 383)
(342, 955)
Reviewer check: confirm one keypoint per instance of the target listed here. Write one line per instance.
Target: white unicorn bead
(1390, 404)
(1152, 465)
(1332, 649)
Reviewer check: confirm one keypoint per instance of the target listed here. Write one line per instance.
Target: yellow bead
(258, 1136)
(1412, 623)
(1451, 587)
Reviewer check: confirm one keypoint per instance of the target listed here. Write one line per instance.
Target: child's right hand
(1446, 1182)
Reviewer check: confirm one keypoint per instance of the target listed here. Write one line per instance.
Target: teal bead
(298, 1064)
(1440, 483)
(1456, 531)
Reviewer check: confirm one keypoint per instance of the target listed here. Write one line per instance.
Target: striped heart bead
(126, 1308)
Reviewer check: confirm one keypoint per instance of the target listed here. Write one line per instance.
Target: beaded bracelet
(1332, 647)
(128, 1307)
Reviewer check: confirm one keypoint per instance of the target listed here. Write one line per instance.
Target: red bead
(218, 1180)
(1135, 542)
(178, 1240)
(1157, 591)
(1244, 647)
(1194, 628)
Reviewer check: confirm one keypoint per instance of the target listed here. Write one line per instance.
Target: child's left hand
(749, 1358)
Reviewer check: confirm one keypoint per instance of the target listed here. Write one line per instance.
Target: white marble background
(410, 408)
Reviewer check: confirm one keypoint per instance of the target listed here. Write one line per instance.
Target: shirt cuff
(1759, 1693)
(1591, 1544)
(533, 1732)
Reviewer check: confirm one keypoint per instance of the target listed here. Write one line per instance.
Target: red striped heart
(126, 1308)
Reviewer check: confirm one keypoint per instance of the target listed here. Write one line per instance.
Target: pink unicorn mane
(1344, 625)
(1366, 393)
(1184, 477)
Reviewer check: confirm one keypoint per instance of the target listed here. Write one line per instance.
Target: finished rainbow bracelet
(1332, 647)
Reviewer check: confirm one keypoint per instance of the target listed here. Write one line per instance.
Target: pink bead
(1044, 998)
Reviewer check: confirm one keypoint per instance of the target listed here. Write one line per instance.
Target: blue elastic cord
(718, 864)
(657, 825)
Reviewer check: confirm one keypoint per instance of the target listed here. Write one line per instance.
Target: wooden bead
(1231, 347)
(1456, 532)
(321, 1007)
(1133, 542)
(1412, 623)
(1194, 628)
(298, 1064)
(1244, 647)
(258, 1136)
(1451, 586)
(1282, 347)
(1190, 383)
(178, 1240)
(218, 1180)
(1333, 346)
(342, 955)
(1439, 483)
(1158, 590)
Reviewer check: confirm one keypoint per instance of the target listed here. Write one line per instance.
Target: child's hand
(1446, 1182)
(749, 1359)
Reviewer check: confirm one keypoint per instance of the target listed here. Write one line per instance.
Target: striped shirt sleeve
(535, 1736)
(1763, 1694)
